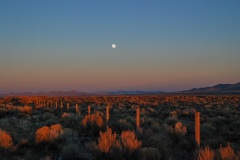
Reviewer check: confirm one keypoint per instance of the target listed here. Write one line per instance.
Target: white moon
(113, 45)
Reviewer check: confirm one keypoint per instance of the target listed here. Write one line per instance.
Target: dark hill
(220, 88)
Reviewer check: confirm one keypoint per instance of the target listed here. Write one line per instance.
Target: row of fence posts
(197, 116)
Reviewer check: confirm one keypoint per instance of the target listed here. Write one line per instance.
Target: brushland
(121, 127)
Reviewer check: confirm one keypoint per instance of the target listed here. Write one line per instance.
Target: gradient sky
(166, 45)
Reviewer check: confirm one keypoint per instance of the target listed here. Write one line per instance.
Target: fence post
(68, 106)
(197, 128)
(56, 104)
(137, 117)
(107, 113)
(89, 110)
(61, 105)
(77, 109)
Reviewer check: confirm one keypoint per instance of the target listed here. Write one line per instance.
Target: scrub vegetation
(112, 127)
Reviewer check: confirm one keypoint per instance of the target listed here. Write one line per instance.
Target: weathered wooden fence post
(56, 104)
(77, 109)
(61, 105)
(107, 113)
(89, 110)
(197, 128)
(137, 117)
(68, 106)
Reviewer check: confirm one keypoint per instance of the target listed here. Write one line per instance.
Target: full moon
(113, 45)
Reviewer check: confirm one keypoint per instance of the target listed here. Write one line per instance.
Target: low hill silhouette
(217, 89)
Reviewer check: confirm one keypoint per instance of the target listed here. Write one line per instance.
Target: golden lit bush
(5, 140)
(206, 154)
(93, 119)
(55, 131)
(65, 115)
(46, 134)
(39, 106)
(107, 140)
(226, 153)
(108, 146)
(25, 109)
(130, 141)
(180, 128)
(42, 134)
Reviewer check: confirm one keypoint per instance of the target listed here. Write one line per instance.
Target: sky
(161, 45)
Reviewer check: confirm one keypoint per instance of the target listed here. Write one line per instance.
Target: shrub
(180, 128)
(160, 141)
(55, 131)
(148, 153)
(107, 140)
(5, 140)
(109, 145)
(65, 115)
(25, 109)
(120, 125)
(92, 124)
(93, 120)
(46, 134)
(42, 134)
(226, 153)
(70, 151)
(47, 157)
(206, 154)
(130, 141)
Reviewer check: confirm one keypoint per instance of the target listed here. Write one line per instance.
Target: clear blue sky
(164, 45)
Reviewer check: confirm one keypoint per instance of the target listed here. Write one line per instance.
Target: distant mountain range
(122, 92)
(79, 93)
(50, 93)
(217, 89)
